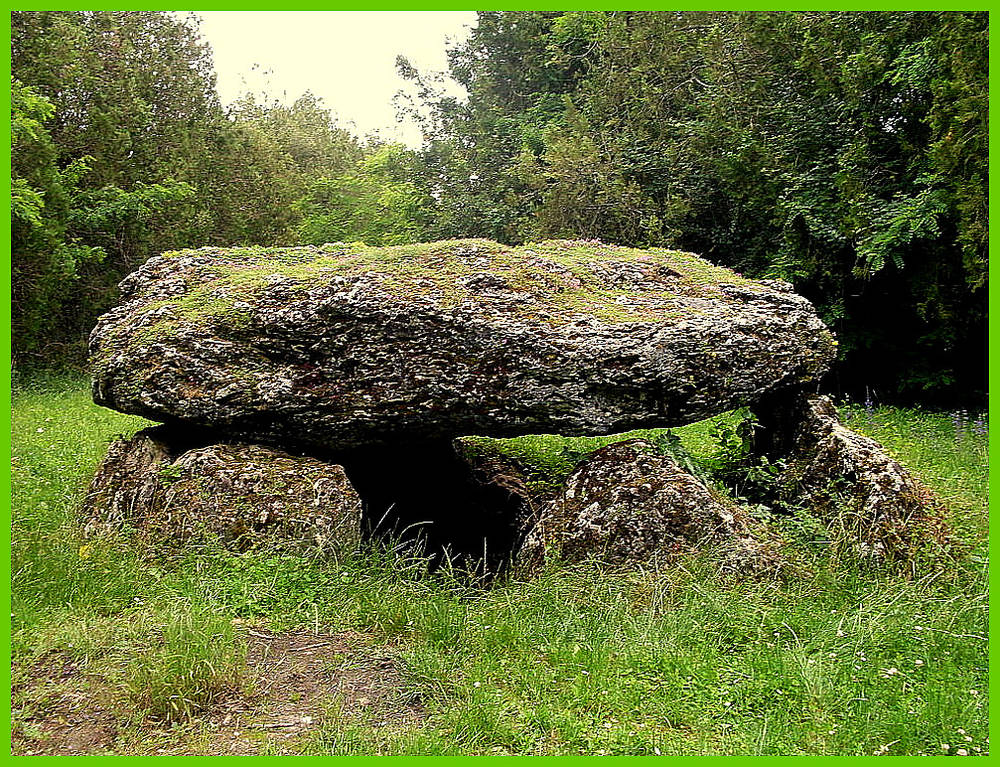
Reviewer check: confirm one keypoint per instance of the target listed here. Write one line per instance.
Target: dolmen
(321, 396)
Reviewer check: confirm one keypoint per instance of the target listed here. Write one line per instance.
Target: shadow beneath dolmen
(425, 498)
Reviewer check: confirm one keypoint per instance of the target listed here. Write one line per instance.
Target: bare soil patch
(59, 708)
(294, 682)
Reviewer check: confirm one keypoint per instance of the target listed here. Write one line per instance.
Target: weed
(197, 660)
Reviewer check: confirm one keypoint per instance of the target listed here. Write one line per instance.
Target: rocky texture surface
(240, 495)
(127, 480)
(858, 489)
(627, 503)
(346, 346)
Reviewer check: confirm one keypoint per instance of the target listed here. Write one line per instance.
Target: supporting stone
(241, 496)
(627, 504)
(861, 492)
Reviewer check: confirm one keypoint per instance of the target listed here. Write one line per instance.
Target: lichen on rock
(346, 346)
(866, 497)
(239, 496)
(440, 374)
(627, 504)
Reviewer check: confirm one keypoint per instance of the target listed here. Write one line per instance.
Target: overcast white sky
(347, 58)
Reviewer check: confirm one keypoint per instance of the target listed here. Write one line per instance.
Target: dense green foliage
(845, 152)
(376, 202)
(121, 150)
(580, 660)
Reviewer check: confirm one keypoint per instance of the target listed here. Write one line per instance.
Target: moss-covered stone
(627, 504)
(347, 345)
(237, 496)
(871, 504)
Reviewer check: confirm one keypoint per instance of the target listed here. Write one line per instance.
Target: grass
(580, 660)
(546, 460)
(195, 662)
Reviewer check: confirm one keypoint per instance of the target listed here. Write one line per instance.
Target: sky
(347, 58)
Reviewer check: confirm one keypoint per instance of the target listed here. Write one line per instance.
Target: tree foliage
(376, 202)
(845, 152)
(122, 150)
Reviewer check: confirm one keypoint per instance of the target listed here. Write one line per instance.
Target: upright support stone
(240, 496)
(859, 489)
(627, 504)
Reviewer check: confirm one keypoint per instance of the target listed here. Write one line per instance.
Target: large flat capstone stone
(346, 345)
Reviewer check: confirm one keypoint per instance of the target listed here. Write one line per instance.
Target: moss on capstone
(566, 279)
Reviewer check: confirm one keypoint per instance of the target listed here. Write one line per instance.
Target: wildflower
(979, 427)
(945, 747)
(962, 752)
(476, 684)
(888, 672)
(918, 662)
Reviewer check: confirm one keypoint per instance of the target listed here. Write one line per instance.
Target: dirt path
(297, 682)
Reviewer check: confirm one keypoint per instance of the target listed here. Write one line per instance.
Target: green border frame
(993, 318)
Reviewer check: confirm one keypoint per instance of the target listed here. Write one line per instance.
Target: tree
(129, 102)
(842, 151)
(377, 202)
(44, 262)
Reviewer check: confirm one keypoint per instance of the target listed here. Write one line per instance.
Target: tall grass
(193, 663)
(579, 660)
